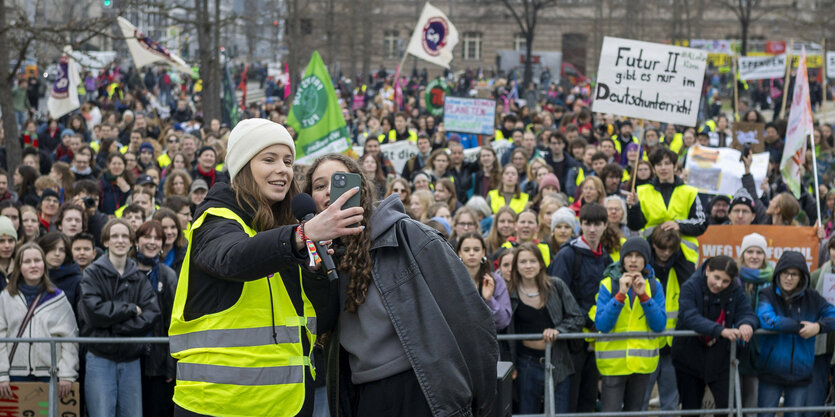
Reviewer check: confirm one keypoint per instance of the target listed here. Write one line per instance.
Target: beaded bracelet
(315, 259)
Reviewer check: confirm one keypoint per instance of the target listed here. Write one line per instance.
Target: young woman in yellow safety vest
(244, 321)
(509, 192)
(630, 299)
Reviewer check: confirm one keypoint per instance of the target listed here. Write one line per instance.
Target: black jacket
(68, 278)
(108, 308)
(159, 361)
(698, 309)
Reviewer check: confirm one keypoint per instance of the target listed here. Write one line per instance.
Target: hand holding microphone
(333, 219)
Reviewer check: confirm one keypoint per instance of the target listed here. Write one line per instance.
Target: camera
(89, 202)
(339, 180)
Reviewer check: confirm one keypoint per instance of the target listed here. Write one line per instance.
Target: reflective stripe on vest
(656, 213)
(253, 350)
(497, 201)
(627, 356)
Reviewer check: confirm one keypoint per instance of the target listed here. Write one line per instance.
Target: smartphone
(341, 182)
(746, 150)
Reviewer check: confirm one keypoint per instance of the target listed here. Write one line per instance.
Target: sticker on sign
(650, 81)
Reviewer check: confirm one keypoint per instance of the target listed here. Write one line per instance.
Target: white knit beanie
(754, 240)
(251, 136)
(564, 215)
(7, 227)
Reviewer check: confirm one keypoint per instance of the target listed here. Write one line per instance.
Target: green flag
(315, 114)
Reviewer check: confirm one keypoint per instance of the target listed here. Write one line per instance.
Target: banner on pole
(762, 67)
(468, 115)
(146, 51)
(63, 96)
(649, 81)
(830, 65)
(434, 37)
(727, 240)
(798, 130)
(315, 114)
(719, 170)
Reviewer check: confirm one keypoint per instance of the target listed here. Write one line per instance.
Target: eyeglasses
(173, 141)
(398, 190)
(466, 224)
(788, 274)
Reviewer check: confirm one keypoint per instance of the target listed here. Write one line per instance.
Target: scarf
(29, 292)
(107, 176)
(753, 279)
(210, 174)
(153, 274)
(30, 139)
(87, 171)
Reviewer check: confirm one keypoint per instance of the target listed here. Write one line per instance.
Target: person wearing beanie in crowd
(246, 281)
(146, 156)
(743, 210)
(714, 305)
(63, 148)
(196, 193)
(563, 228)
(629, 299)
(754, 274)
(824, 342)
(48, 208)
(205, 167)
(548, 183)
(798, 313)
(580, 264)
(719, 208)
(8, 242)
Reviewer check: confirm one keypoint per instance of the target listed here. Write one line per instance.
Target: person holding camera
(415, 337)
(245, 314)
(87, 196)
(636, 306)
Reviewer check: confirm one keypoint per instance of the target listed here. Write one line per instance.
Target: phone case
(351, 181)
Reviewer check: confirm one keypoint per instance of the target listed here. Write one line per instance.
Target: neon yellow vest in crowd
(228, 362)
(393, 136)
(497, 201)
(543, 249)
(627, 356)
(671, 293)
(652, 205)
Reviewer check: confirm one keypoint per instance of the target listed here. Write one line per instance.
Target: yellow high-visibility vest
(655, 212)
(164, 160)
(675, 143)
(617, 142)
(543, 249)
(626, 356)
(248, 359)
(671, 294)
(517, 203)
(392, 136)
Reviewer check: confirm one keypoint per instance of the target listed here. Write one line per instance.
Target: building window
(472, 46)
(390, 43)
(519, 42)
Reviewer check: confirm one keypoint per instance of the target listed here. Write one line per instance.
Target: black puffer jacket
(108, 308)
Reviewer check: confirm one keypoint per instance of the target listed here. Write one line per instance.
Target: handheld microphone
(304, 208)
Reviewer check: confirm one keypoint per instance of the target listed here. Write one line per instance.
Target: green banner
(315, 114)
(435, 93)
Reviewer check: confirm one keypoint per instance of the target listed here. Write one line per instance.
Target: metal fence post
(549, 382)
(53, 380)
(732, 380)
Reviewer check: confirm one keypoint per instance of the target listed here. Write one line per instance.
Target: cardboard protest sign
(749, 133)
(727, 240)
(762, 67)
(719, 171)
(830, 65)
(649, 81)
(500, 146)
(469, 115)
(32, 399)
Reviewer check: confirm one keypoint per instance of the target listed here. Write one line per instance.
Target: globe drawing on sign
(311, 101)
(434, 35)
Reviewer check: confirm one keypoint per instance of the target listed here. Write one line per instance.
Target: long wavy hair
(249, 197)
(357, 258)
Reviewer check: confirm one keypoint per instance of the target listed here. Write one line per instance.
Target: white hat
(754, 240)
(564, 215)
(251, 136)
(7, 228)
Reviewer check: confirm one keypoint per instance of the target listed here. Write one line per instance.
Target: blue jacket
(609, 308)
(787, 358)
(698, 309)
(582, 276)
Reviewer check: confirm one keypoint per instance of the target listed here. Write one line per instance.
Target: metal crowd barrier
(734, 390)
(734, 393)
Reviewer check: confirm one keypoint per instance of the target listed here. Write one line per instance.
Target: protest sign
(469, 115)
(649, 81)
(32, 399)
(828, 287)
(798, 130)
(727, 240)
(500, 146)
(719, 170)
(751, 133)
(436, 90)
(830, 65)
(762, 67)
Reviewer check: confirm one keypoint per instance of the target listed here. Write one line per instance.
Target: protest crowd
(567, 221)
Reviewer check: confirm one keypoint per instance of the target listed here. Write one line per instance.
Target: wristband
(315, 259)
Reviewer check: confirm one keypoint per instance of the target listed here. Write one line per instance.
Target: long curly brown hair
(357, 258)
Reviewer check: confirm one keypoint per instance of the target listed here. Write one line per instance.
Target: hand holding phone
(341, 182)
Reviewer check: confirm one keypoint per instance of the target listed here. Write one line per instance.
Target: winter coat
(108, 308)
(786, 358)
(698, 309)
(67, 278)
(111, 197)
(582, 276)
(567, 318)
(52, 318)
(445, 328)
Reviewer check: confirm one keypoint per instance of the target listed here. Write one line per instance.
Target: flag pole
(787, 79)
(637, 160)
(823, 81)
(736, 88)
(397, 80)
(815, 176)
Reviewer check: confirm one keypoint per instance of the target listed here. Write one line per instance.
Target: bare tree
(526, 12)
(19, 33)
(750, 11)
